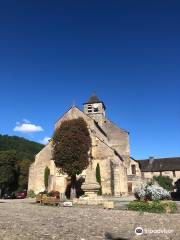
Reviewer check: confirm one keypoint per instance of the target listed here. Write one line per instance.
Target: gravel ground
(23, 219)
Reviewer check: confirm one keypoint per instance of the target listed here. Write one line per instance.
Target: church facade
(110, 149)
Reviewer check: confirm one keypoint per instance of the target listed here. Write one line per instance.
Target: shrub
(31, 194)
(153, 206)
(165, 182)
(46, 177)
(151, 192)
(98, 178)
(157, 193)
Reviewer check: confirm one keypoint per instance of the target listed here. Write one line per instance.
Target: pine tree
(98, 178)
(46, 177)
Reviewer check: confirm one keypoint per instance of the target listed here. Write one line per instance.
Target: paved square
(23, 219)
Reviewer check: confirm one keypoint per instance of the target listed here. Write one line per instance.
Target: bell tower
(95, 108)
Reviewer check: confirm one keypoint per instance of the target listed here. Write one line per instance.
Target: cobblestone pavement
(23, 219)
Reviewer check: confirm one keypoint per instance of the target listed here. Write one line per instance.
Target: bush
(153, 206)
(98, 178)
(46, 177)
(31, 194)
(151, 192)
(165, 182)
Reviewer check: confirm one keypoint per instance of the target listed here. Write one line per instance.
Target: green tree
(23, 166)
(24, 148)
(98, 178)
(8, 170)
(21, 153)
(165, 182)
(71, 147)
(46, 177)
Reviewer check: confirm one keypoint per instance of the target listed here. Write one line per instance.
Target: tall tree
(46, 177)
(98, 178)
(24, 148)
(71, 147)
(16, 155)
(23, 167)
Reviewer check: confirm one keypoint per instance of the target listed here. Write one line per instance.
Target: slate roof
(95, 99)
(159, 164)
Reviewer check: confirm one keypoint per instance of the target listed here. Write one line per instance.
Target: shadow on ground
(110, 236)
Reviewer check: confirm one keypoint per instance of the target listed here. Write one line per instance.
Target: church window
(174, 174)
(89, 108)
(96, 110)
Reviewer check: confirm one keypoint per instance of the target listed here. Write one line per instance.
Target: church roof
(94, 99)
(160, 164)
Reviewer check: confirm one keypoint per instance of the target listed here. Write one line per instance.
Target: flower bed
(151, 192)
(52, 198)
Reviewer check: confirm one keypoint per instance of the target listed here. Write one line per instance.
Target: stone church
(110, 149)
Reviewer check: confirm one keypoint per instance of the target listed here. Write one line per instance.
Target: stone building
(110, 148)
(160, 167)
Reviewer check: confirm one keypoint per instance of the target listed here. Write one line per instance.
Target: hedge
(153, 206)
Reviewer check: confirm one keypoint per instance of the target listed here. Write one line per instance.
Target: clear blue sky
(126, 51)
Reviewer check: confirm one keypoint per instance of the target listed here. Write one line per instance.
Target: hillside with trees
(16, 155)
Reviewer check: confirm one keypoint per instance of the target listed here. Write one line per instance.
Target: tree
(46, 177)
(98, 178)
(8, 170)
(71, 147)
(23, 166)
(165, 182)
(16, 155)
(24, 148)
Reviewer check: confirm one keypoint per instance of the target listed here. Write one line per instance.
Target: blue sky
(128, 52)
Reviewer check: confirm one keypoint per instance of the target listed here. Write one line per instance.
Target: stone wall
(150, 175)
(117, 138)
(134, 180)
(36, 175)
